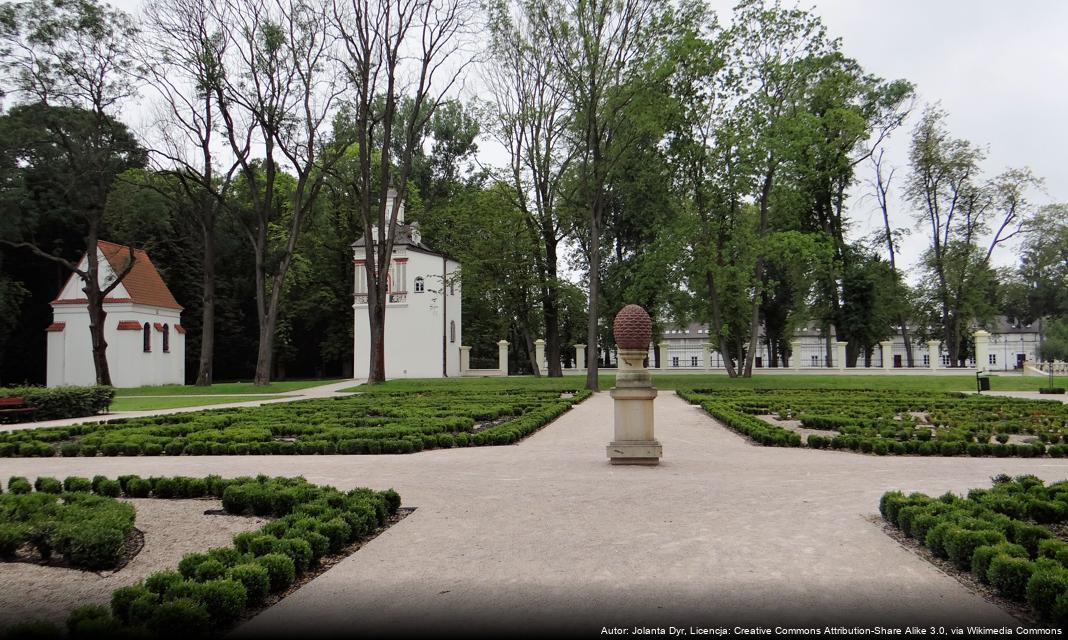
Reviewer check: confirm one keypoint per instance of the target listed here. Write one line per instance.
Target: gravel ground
(172, 529)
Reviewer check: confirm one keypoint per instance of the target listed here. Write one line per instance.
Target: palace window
(815, 361)
(926, 360)
(992, 358)
(693, 361)
(675, 361)
(419, 285)
(166, 339)
(147, 336)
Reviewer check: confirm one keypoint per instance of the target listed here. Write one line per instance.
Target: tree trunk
(552, 314)
(908, 345)
(265, 354)
(376, 320)
(207, 313)
(717, 322)
(97, 317)
(595, 278)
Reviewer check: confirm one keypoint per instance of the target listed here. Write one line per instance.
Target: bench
(14, 407)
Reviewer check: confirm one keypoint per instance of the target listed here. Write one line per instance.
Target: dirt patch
(1021, 612)
(795, 426)
(482, 426)
(171, 528)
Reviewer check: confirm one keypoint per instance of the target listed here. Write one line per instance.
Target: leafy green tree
(70, 65)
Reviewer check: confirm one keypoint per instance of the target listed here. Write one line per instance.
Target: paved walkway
(545, 535)
(322, 391)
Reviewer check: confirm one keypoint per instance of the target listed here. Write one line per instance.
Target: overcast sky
(999, 68)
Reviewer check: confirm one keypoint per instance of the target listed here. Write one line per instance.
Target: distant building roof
(143, 283)
(405, 235)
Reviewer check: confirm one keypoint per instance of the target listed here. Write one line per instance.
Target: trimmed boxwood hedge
(61, 402)
(208, 592)
(89, 531)
(370, 423)
(885, 422)
(997, 534)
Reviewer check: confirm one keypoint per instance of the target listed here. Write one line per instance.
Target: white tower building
(146, 341)
(422, 333)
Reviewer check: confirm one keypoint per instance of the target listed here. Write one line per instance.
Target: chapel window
(419, 285)
(146, 334)
(166, 339)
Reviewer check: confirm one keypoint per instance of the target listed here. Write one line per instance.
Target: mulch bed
(967, 579)
(134, 543)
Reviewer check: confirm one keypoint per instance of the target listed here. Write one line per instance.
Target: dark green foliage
(189, 563)
(982, 557)
(280, 569)
(1010, 575)
(18, 484)
(180, 618)
(883, 422)
(224, 599)
(162, 581)
(48, 485)
(370, 423)
(35, 630)
(1044, 587)
(109, 488)
(11, 538)
(961, 544)
(1028, 536)
(122, 600)
(74, 483)
(63, 402)
(209, 569)
(138, 488)
(254, 577)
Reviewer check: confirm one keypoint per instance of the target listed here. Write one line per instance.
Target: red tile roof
(129, 325)
(143, 283)
(56, 326)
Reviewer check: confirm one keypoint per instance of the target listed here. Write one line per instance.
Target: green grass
(223, 388)
(1007, 382)
(135, 403)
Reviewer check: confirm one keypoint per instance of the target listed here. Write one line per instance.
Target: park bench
(15, 407)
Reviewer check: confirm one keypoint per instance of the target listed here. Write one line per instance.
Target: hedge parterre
(369, 423)
(893, 422)
(1001, 535)
(60, 402)
(209, 591)
(87, 530)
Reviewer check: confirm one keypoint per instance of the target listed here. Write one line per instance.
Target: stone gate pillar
(502, 356)
(887, 347)
(795, 354)
(580, 356)
(934, 354)
(663, 354)
(539, 355)
(465, 359)
(706, 362)
(982, 350)
(840, 355)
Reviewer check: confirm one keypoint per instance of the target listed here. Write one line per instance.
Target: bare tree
(881, 183)
(400, 60)
(277, 88)
(189, 47)
(74, 63)
(532, 119)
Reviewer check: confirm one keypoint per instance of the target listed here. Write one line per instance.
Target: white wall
(70, 359)
(414, 327)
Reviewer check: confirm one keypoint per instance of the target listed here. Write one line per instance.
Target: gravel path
(547, 536)
(172, 529)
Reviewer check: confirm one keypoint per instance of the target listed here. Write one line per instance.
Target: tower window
(147, 337)
(452, 288)
(452, 331)
(419, 285)
(166, 339)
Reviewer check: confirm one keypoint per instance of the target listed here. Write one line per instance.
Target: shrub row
(209, 591)
(997, 534)
(894, 422)
(62, 402)
(371, 423)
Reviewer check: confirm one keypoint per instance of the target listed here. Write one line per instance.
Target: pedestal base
(646, 452)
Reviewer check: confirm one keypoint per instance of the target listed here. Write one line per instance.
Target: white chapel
(422, 332)
(146, 341)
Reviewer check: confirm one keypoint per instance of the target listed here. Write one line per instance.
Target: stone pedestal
(707, 356)
(465, 359)
(840, 355)
(663, 356)
(539, 355)
(502, 356)
(795, 354)
(888, 354)
(580, 356)
(633, 394)
(934, 354)
(982, 350)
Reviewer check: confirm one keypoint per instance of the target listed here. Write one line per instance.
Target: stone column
(707, 350)
(982, 350)
(580, 356)
(840, 355)
(933, 354)
(795, 354)
(539, 355)
(465, 359)
(663, 355)
(887, 347)
(502, 356)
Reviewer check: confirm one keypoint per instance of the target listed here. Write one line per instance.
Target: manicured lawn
(135, 403)
(921, 382)
(223, 388)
